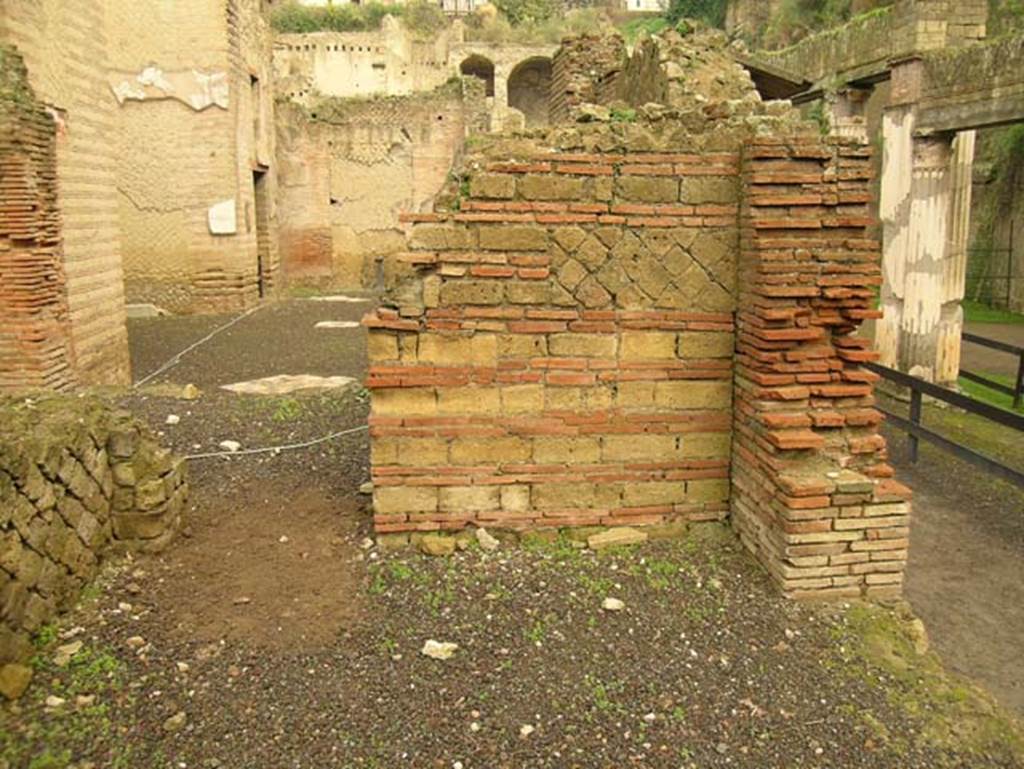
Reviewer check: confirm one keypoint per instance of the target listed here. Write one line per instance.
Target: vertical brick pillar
(812, 496)
(35, 333)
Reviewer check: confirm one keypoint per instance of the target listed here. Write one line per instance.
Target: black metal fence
(917, 432)
(1017, 390)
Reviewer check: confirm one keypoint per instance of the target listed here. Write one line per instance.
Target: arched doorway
(479, 67)
(528, 89)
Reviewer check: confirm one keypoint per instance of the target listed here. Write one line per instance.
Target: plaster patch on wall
(222, 218)
(193, 87)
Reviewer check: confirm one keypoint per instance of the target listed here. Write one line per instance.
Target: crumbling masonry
(646, 321)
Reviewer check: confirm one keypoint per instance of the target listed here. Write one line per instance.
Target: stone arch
(529, 86)
(480, 67)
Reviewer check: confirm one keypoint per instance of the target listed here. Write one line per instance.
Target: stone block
(522, 399)
(482, 451)
(705, 445)
(515, 498)
(567, 450)
(147, 525)
(619, 536)
(654, 493)
(644, 189)
(441, 237)
(639, 448)
(461, 401)
(693, 394)
(528, 292)
(495, 186)
(469, 499)
(404, 401)
(583, 345)
(456, 293)
(150, 494)
(513, 238)
(648, 345)
(705, 344)
(563, 496)
(708, 490)
(381, 346)
(538, 187)
(444, 350)
(14, 680)
(697, 190)
(404, 499)
(122, 442)
(437, 544)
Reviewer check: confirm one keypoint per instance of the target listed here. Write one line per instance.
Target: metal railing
(917, 432)
(1017, 391)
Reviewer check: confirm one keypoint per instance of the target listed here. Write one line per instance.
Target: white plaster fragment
(338, 298)
(222, 218)
(337, 324)
(283, 384)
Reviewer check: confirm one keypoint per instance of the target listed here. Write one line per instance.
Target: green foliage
(976, 312)
(634, 29)
(519, 12)
(711, 12)
(423, 18)
(623, 115)
(797, 19)
(496, 28)
(292, 17)
(995, 204)
(1005, 17)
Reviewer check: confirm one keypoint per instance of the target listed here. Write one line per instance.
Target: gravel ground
(274, 635)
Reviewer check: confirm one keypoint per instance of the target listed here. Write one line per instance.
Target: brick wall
(584, 70)
(76, 479)
(812, 495)
(64, 46)
(567, 358)
(35, 333)
(349, 167)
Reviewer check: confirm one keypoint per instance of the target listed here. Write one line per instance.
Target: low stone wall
(76, 480)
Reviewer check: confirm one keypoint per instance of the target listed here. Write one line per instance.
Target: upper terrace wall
(195, 116)
(866, 44)
(389, 62)
(64, 46)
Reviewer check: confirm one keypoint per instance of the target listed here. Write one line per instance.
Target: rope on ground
(174, 361)
(276, 449)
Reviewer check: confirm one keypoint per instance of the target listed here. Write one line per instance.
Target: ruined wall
(64, 48)
(35, 328)
(867, 43)
(585, 70)
(76, 479)
(195, 120)
(569, 362)
(812, 496)
(390, 61)
(349, 167)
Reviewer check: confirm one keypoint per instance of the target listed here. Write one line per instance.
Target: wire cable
(174, 361)
(284, 447)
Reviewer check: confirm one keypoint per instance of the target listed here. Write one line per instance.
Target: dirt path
(965, 577)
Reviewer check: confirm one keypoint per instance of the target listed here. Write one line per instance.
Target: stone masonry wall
(349, 167)
(868, 43)
(76, 479)
(192, 88)
(584, 70)
(812, 495)
(569, 363)
(35, 333)
(64, 46)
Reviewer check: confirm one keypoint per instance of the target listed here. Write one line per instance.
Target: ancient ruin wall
(348, 168)
(35, 329)
(563, 358)
(64, 46)
(812, 495)
(76, 479)
(868, 43)
(194, 123)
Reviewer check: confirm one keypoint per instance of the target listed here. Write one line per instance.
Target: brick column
(812, 496)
